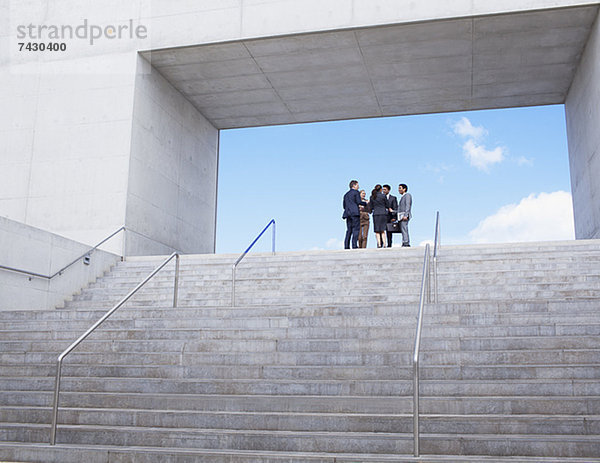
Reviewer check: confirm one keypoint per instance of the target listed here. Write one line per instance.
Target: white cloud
(464, 128)
(543, 217)
(473, 149)
(425, 242)
(334, 243)
(523, 161)
(480, 157)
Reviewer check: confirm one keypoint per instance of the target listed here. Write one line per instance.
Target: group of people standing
(389, 215)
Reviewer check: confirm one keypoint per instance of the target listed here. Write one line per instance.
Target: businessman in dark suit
(393, 209)
(352, 215)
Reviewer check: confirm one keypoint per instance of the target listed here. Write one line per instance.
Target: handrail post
(435, 281)
(91, 330)
(176, 284)
(416, 436)
(435, 254)
(417, 348)
(424, 295)
(428, 276)
(124, 247)
(239, 259)
(274, 226)
(233, 286)
(55, 406)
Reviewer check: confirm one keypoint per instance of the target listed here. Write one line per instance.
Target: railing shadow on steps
(425, 296)
(60, 272)
(239, 259)
(61, 357)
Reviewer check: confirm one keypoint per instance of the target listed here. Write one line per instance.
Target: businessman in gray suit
(404, 213)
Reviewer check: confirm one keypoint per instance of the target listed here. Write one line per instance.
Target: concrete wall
(65, 129)
(70, 136)
(583, 129)
(65, 141)
(224, 20)
(65, 150)
(73, 132)
(171, 199)
(45, 253)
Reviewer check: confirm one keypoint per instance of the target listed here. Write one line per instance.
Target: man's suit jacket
(351, 202)
(393, 204)
(405, 205)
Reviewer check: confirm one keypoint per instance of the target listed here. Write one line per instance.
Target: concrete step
(464, 405)
(302, 421)
(209, 438)
(490, 444)
(75, 453)
(316, 280)
(483, 252)
(314, 359)
(280, 328)
(447, 271)
(373, 346)
(272, 266)
(317, 320)
(442, 388)
(124, 330)
(397, 308)
(543, 290)
(410, 271)
(310, 372)
(329, 297)
(576, 336)
(311, 358)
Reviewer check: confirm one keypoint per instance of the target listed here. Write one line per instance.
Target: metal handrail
(239, 259)
(436, 250)
(97, 324)
(425, 293)
(50, 277)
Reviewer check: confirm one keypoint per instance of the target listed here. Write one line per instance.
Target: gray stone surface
(172, 172)
(583, 120)
(70, 145)
(299, 371)
(38, 251)
(519, 59)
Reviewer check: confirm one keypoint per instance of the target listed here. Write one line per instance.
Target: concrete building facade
(122, 127)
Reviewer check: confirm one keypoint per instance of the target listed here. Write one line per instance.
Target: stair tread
(316, 456)
(293, 358)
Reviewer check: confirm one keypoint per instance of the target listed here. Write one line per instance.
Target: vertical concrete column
(583, 130)
(172, 188)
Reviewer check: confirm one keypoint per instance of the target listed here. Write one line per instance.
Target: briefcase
(393, 227)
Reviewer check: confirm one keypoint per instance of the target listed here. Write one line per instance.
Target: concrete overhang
(484, 62)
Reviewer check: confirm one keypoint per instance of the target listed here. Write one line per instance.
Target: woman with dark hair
(379, 208)
(364, 220)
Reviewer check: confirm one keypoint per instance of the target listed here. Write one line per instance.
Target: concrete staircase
(314, 362)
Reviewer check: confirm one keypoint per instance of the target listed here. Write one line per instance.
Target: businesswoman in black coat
(379, 208)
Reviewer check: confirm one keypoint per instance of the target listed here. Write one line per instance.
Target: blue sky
(495, 176)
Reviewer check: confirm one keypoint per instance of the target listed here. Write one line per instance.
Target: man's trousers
(352, 231)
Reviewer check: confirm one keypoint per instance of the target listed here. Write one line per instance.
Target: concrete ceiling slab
(517, 59)
(301, 43)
